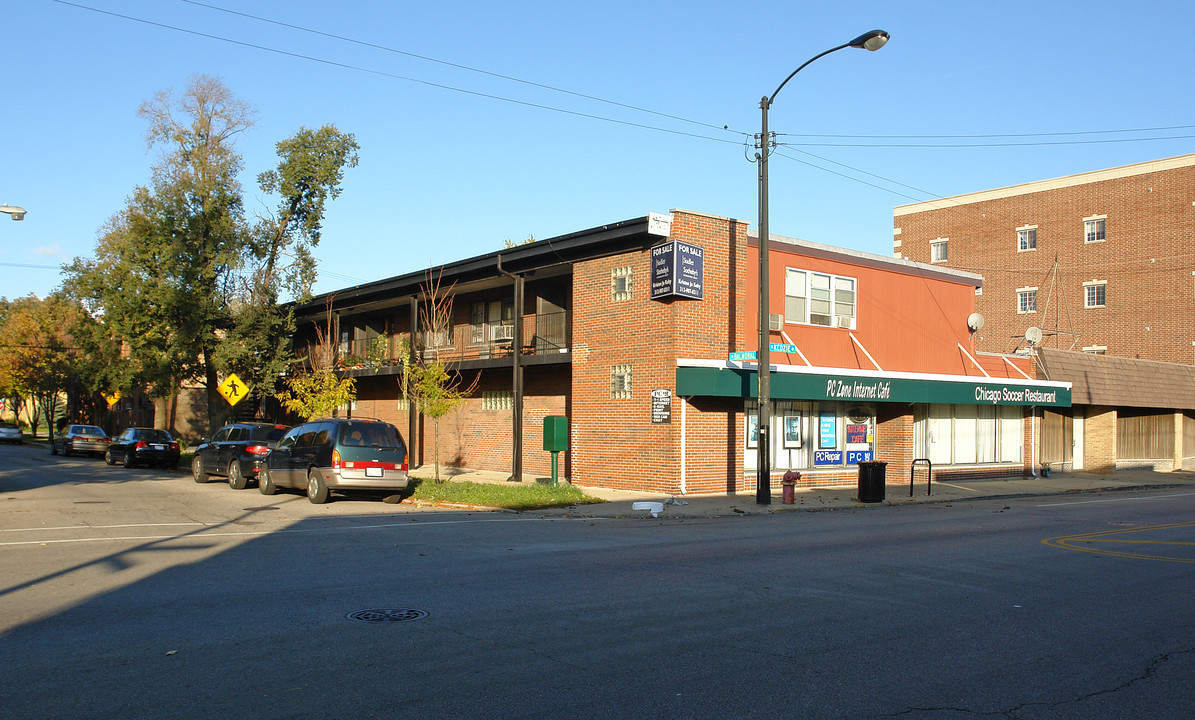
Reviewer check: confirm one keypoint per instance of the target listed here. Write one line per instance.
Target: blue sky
(455, 161)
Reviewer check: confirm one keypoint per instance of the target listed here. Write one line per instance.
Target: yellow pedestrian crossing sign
(233, 389)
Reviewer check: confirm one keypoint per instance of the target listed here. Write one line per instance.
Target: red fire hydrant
(786, 486)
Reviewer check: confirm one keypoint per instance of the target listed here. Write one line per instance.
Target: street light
(18, 213)
(871, 41)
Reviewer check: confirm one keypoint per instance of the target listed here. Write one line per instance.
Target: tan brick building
(638, 332)
(1100, 263)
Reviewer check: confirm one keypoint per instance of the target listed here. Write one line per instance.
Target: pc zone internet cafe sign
(677, 270)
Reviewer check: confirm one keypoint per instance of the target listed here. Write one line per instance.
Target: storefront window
(813, 435)
(968, 434)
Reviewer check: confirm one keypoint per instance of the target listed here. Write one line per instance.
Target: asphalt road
(139, 594)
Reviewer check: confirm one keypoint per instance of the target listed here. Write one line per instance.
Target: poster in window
(752, 431)
(856, 434)
(792, 431)
(827, 430)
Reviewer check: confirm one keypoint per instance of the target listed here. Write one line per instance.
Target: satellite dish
(1033, 335)
(974, 322)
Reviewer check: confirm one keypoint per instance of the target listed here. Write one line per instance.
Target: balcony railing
(542, 335)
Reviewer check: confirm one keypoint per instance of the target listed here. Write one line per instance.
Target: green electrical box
(556, 433)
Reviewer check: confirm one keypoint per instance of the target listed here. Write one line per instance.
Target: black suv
(336, 454)
(236, 451)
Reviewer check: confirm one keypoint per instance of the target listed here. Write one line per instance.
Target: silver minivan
(336, 454)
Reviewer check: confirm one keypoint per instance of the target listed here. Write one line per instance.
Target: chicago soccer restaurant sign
(677, 270)
(704, 378)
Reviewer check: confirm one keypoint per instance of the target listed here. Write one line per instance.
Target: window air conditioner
(775, 322)
(846, 321)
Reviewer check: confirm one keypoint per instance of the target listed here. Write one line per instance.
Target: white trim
(1125, 171)
(985, 372)
(683, 444)
(869, 357)
(1014, 367)
(879, 375)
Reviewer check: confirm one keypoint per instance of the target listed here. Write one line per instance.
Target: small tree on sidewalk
(317, 391)
(433, 386)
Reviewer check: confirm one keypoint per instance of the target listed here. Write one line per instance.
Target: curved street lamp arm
(871, 41)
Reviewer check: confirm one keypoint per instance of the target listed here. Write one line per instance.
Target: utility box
(556, 433)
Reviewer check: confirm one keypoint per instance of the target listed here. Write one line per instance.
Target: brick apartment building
(635, 332)
(1094, 275)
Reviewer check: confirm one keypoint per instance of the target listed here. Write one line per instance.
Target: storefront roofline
(723, 378)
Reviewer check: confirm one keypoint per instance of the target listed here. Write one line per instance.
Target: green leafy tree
(316, 393)
(309, 173)
(39, 355)
(163, 270)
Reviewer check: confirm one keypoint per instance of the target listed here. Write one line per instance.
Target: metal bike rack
(929, 479)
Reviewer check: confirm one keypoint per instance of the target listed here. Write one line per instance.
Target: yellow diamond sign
(233, 389)
(112, 397)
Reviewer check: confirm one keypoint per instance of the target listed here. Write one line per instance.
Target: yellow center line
(1072, 542)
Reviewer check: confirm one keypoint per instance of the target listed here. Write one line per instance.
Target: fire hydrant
(786, 486)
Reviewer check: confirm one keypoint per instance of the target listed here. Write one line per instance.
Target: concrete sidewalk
(620, 503)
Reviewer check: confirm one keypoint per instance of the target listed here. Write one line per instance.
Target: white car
(10, 433)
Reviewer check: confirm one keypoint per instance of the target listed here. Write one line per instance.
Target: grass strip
(513, 496)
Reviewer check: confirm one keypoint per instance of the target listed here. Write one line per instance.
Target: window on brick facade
(1027, 238)
(622, 284)
(620, 382)
(1027, 300)
(938, 251)
(1094, 228)
(1094, 294)
(491, 320)
(819, 299)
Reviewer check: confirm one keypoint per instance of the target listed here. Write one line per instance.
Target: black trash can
(872, 476)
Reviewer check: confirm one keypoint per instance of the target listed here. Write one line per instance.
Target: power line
(39, 267)
(998, 145)
(447, 63)
(395, 76)
(996, 135)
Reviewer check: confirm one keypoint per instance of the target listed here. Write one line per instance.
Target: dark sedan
(236, 451)
(143, 446)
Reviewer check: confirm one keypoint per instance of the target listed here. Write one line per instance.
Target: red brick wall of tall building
(1146, 258)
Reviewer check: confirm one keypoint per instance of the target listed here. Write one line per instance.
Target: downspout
(412, 411)
(516, 425)
(684, 406)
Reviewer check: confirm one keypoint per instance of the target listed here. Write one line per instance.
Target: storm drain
(375, 616)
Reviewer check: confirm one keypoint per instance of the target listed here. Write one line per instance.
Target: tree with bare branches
(432, 384)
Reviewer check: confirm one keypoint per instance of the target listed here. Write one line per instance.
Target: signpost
(232, 389)
(753, 355)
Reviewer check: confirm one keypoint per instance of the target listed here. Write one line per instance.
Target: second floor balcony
(545, 338)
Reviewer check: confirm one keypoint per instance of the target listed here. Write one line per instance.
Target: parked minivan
(336, 454)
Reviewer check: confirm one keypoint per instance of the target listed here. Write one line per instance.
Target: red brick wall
(1146, 261)
(615, 442)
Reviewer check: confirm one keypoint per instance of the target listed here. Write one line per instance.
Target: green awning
(822, 384)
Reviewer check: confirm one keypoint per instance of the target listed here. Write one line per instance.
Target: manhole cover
(387, 615)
